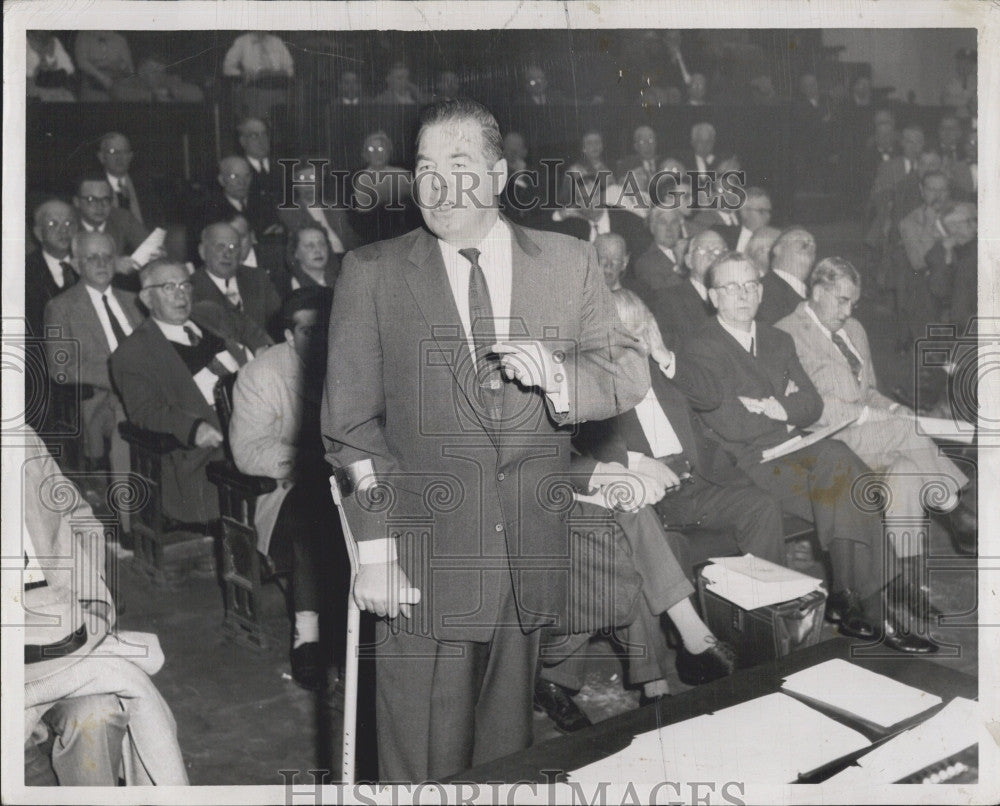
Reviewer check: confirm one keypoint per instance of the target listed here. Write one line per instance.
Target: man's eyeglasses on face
(123, 151)
(93, 261)
(223, 248)
(171, 287)
(233, 177)
(66, 225)
(96, 199)
(704, 250)
(749, 288)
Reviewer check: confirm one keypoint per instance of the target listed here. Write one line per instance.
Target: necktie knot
(68, 274)
(471, 254)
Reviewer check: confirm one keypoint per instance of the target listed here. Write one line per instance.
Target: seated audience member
(105, 61)
(889, 174)
(908, 194)
(243, 294)
(165, 87)
(722, 216)
(537, 91)
(266, 189)
(590, 161)
(642, 162)
(77, 742)
(447, 85)
(49, 68)
(832, 347)
(682, 309)
(399, 89)
(115, 157)
(861, 93)
(94, 203)
(754, 214)
(98, 318)
(637, 318)
(233, 195)
(268, 256)
(588, 215)
(762, 92)
(523, 191)
(660, 267)
(758, 248)
(872, 152)
(784, 286)
(165, 373)
(949, 144)
(702, 156)
(258, 54)
(764, 390)
(960, 91)
(310, 259)
(813, 145)
(348, 89)
(972, 161)
(381, 193)
(274, 432)
(49, 271)
(953, 276)
(332, 219)
(94, 657)
(697, 90)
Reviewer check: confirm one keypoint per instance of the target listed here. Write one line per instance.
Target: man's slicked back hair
(452, 110)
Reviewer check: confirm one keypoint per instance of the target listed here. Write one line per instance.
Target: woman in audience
(310, 260)
(105, 60)
(50, 69)
(381, 193)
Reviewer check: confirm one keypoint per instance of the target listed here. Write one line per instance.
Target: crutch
(343, 483)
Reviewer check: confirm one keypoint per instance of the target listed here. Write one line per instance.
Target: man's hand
(530, 364)
(207, 436)
(384, 589)
(767, 406)
(659, 472)
(662, 356)
(626, 490)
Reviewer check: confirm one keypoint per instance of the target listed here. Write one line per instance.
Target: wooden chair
(244, 568)
(163, 555)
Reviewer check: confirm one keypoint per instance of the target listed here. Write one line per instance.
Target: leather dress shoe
(910, 602)
(844, 609)
(719, 660)
(902, 641)
(308, 670)
(555, 700)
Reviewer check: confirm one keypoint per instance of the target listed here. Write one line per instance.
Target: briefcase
(768, 632)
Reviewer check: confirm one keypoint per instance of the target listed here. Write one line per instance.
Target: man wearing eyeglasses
(48, 271)
(686, 306)
(767, 397)
(166, 372)
(97, 317)
(94, 202)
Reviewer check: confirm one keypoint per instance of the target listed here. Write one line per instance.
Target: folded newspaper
(751, 582)
(799, 442)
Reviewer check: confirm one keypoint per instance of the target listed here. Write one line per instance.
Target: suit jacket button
(499, 527)
(501, 476)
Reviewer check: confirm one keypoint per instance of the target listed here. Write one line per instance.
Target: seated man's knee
(88, 733)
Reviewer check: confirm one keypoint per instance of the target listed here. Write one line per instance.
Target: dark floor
(242, 720)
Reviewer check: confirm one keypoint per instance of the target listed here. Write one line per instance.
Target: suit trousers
(664, 584)
(753, 516)
(444, 706)
(815, 483)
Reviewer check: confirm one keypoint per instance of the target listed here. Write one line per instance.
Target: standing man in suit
(441, 373)
(682, 309)
(244, 293)
(98, 317)
(48, 271)
(94, 203)
(166, 373)
(115, 156)
(765, 390)
(833, 349)
(784, 287)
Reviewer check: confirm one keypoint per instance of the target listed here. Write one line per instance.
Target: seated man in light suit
(833, 348)
(764, 391)
(166, 373)
(71, 646)
(98, 317)
(275, 432)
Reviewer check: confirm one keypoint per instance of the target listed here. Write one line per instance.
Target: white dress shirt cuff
(560, 398)
(205, 380)
(634, 457)
(379, 551)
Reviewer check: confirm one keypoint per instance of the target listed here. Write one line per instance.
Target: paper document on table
(771, 739)
(857, 692)
(799, 442)
(951, 730)
(145, 251)
(751, 582)
(946, 429)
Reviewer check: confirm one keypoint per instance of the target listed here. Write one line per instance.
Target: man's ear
(713, 295)
(498, 173)
(289, 336)
(201, 252)
(144, 295)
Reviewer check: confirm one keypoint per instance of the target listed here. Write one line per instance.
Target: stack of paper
(751, 582)
(799, 442)
(149, 247)
(945, 429)
(869, 697)
(951, 730)
(771, 739)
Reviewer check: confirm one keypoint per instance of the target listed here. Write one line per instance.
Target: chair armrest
(223, 474)
(151, 441)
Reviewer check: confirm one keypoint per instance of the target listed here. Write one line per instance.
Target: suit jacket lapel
(128, 305)
(90, 320)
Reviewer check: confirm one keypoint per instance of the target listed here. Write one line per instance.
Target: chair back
(223, 394)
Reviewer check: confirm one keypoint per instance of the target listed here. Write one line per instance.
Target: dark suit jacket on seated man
(94, 202)
(244, 293)
(784, 286)
(165, 373)
(764, 390)
(415, 386)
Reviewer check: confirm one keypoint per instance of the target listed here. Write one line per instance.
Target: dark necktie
(490, 381)
(193, 337)
(68, 274)
(116, 325)
(123, 198)
(753, 348)
(852, 359)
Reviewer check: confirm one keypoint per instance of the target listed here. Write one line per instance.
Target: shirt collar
(812, 315)
(96, 295)
(699, 287)
(91, 228)
(746, 338)
(499, 234)
(115, 181)
(220, 283)
(239, 205)
(797, 285)
(668, 252)
(176, 333)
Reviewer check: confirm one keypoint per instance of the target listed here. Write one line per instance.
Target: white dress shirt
(260, 165)
(204, 379)
(797, 285)
(97, 298)
(744, 239)
(704, 163)
(55, 268)
(656, 426)
(226, 286)
(729, 218)
(236, 203)
(668, 252)
(746, 338)
(700, 288)
(92, 228)
(842, 333)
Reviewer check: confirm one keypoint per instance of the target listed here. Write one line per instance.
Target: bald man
(758, 248)
(784, 287)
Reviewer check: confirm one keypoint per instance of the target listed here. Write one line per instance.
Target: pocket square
(791, 388)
